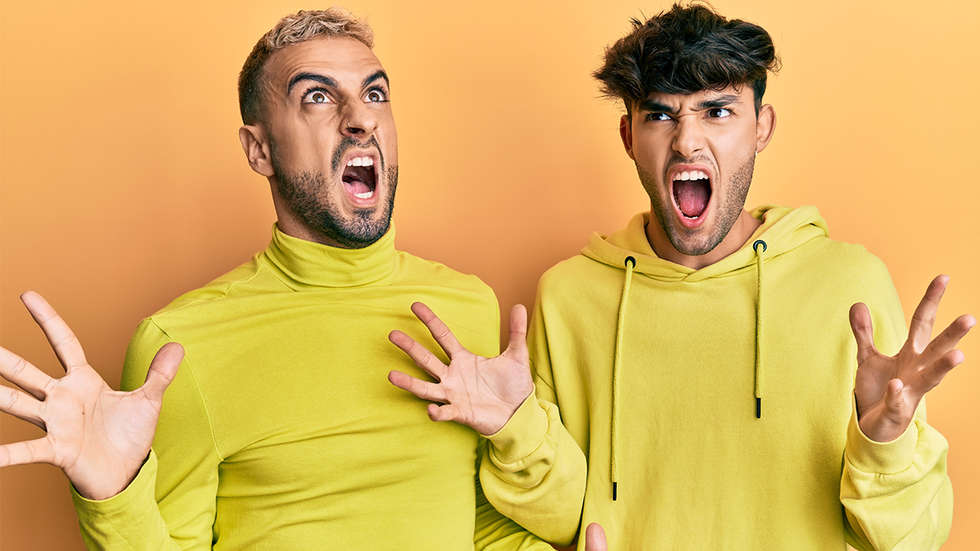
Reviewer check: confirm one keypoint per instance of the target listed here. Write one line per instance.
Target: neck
(734, 240)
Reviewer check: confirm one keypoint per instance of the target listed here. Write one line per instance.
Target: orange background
(122, 182)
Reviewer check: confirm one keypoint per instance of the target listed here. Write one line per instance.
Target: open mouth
(359, 177)
(692, 191)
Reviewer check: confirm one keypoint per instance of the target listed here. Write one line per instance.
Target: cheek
(647, 151)
(389, 142)
(731, 150)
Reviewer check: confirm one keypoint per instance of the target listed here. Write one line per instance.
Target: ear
(255, 143)
(765, 127)
(626, 133)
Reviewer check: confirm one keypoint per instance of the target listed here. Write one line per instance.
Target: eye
(376, 96)
(316, 96)
(658, 116)
(719, 113)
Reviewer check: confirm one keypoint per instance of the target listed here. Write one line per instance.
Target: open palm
(481, 393)
(98, 436)
(888, 388)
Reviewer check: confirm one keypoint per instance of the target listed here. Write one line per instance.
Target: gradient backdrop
(124, 184)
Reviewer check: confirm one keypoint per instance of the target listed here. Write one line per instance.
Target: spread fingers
(19, 371)
(439, 330)
(22, 453)
(21, 405)
(428, 361)
(424, 390)
(61, 337)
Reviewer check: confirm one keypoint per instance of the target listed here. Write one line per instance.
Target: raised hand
(889, 388)
(481, 393)
(98, 436)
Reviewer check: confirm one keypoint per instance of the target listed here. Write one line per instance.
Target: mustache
(678, 160)
(347, 143)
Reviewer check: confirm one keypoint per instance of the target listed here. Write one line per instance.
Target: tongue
(357, 186)
(692, 196)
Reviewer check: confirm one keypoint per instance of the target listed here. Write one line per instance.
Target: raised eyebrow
(379, 74)
(324, 80)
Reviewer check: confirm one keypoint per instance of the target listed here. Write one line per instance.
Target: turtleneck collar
(303, 264)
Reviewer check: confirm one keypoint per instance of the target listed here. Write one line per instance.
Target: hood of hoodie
(783, 229)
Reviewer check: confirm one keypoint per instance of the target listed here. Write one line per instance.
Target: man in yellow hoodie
(697, 383)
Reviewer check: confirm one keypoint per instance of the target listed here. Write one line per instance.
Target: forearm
(535, 473)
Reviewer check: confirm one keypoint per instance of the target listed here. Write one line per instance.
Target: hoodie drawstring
(621, 324)
(630, 263)
(758, 327)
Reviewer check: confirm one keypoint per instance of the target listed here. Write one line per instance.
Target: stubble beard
(701, 240)
(307, 196)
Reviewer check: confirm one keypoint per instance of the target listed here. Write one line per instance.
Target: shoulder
(464, 302)
(844, 274)
(250, 279)
(575, 274)
(572, 270)
(844, 260)
(415, 271)
(242, 279)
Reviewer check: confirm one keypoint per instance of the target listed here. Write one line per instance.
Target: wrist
(883, 431)
(871, 456)
(107, 486)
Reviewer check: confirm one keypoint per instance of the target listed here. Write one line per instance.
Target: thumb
(517, 344)
(162, 371)
(595, 538)
(894, 400)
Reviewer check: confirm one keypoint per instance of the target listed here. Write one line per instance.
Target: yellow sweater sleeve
(896, 495)
(535, 473)
(128, 520)
(170, 508)
(494, 531)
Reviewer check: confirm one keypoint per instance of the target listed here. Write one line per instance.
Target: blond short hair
(293, 29)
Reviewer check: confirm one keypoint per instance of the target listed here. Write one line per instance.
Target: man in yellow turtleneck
(279, 430)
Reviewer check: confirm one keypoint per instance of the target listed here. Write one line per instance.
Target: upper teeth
(690, 175)
(361, 161)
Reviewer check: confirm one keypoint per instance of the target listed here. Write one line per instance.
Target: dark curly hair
(684, 50)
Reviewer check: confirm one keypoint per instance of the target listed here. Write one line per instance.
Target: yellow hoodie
(715, 407)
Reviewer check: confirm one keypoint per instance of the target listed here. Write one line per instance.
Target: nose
(688, 137)
(359, 120)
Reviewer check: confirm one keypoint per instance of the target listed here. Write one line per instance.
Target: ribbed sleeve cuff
(523, 434)
(869, 456)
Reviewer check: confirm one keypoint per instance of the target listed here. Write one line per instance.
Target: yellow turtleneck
(281, 430)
